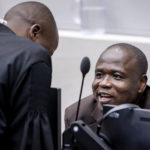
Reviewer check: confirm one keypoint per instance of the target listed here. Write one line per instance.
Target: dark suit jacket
(25, 79)
(91, 111)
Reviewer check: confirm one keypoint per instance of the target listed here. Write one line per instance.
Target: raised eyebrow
(113, 71)
(98, 70)
(118, 71)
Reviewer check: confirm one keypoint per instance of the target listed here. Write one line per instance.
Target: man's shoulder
(86, 111)
(28, 50)
(84, 103)
(20, 44)
(30, 46)
(86, 107)
(21, 53)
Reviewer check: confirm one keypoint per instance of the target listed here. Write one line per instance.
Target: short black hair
(140, 56)
(30, 12)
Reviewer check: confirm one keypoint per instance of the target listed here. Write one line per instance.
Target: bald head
(35, 21)
(30, 12)
(131, 52)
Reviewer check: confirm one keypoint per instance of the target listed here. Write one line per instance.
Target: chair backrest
(55, 116)
(127, 128)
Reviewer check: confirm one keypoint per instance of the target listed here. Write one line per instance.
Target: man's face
(116, 80)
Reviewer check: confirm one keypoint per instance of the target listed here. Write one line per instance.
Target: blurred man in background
(28, 38)
(120, 77)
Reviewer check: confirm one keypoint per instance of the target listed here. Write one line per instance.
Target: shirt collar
(2, 21)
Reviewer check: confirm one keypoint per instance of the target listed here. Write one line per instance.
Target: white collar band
(2, 21)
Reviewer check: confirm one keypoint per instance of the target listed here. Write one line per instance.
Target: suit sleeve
(37, 130)
(66, 119)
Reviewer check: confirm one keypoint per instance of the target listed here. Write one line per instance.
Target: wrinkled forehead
(120, 57)
(115, 54)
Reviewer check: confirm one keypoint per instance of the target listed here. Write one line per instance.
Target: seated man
(120, 77)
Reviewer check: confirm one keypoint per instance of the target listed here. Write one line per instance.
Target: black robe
(25, 79)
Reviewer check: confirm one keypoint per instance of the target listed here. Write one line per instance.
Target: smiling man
(120, 77)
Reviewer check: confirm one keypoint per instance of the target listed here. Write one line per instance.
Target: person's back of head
(35, 21)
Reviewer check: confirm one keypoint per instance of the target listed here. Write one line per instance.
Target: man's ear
(34, 32)
(142, 83)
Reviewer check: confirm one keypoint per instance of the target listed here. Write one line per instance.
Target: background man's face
(116, 79)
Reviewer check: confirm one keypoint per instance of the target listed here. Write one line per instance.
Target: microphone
(84, 67)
